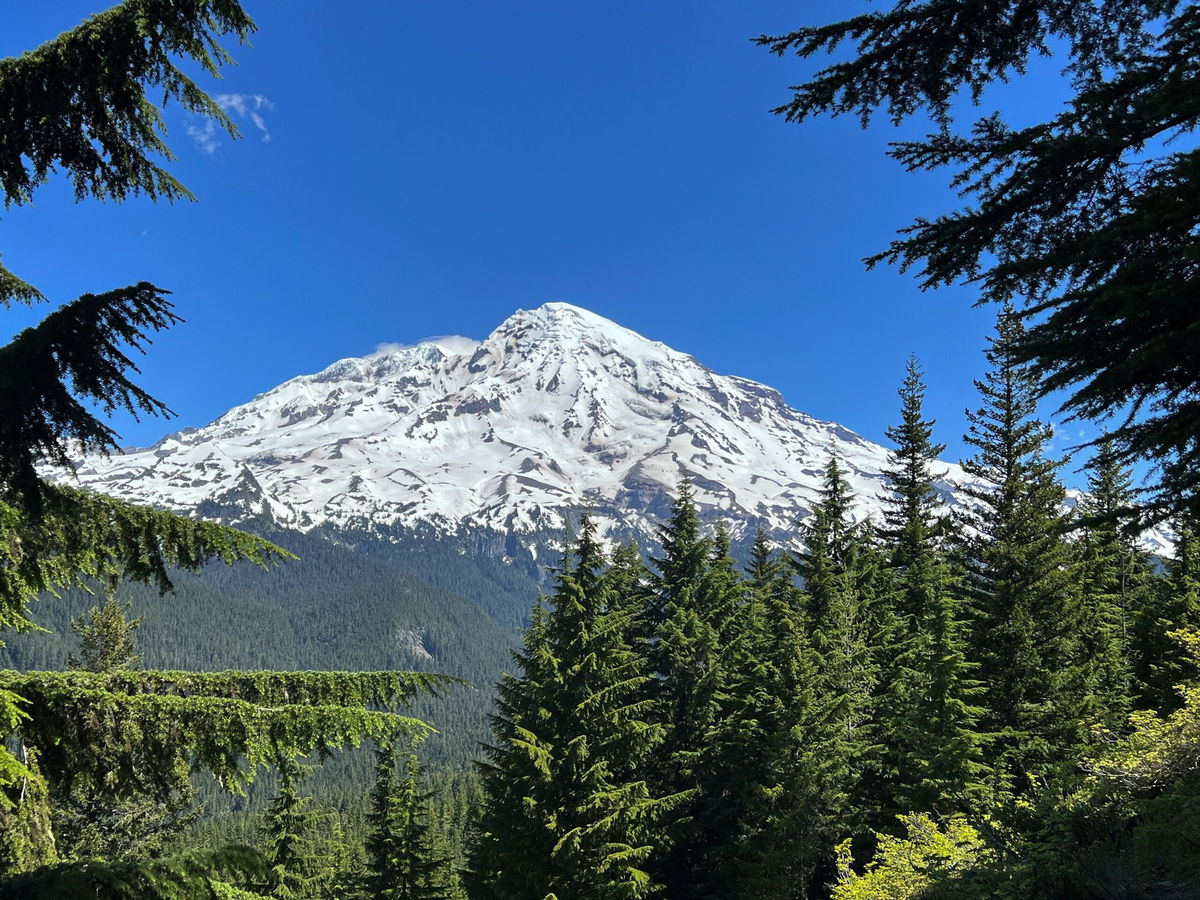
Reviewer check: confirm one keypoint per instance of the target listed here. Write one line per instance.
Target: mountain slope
(557, 410)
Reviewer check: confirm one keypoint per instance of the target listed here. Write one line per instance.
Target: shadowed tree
(1088, 218)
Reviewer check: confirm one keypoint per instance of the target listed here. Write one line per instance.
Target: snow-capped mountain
(557, 410)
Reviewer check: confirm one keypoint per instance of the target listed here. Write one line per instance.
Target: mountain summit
(557, 410)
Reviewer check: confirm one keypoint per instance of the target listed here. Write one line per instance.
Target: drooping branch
(78, 104)
(49, 372)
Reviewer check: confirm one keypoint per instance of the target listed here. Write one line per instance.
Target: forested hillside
(458, 684)
(334, 607)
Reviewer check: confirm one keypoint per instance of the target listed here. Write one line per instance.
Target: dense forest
(997, 700)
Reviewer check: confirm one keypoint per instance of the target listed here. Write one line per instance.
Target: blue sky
(422, 168)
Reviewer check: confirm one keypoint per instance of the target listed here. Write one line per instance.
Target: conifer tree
(791, 816)
(86, 822)
(1171, 605)
(402, 862)
(573, 744)
(695, 599)
(1088, 216)
(1019, 580)
(80, 106)
(515, 834)
(106, 636)
(287, 828)
(930, 714)
(1115, 577)
(840, 570)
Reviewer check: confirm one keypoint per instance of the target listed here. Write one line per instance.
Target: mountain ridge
(558, 410)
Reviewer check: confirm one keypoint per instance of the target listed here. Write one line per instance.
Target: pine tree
(515, 834)
(1172, 604)
(841, 573)
(573, 744)
(1089, 216)
(106, 636)
(402, 862)
(694, 599)
(1114, 584)
(796, 792)
(86, 822)
(78, 106)
(1019, 580)
(287, 828)
(930, 714)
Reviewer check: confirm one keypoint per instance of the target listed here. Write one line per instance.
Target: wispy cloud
(246, 107)
(205, 136)
(454, 344)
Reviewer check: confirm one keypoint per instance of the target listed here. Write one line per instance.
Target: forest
(995, 700)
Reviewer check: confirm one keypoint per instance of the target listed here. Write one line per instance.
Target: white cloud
(205, 136)
(453, 344)
(246, 107)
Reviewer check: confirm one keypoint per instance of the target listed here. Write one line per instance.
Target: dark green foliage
(286, 828)
(1089, 216)
(106, 637)
(225, 722)
(87, 823)
(385, 617)
(696, 600)
(50, 372)
(933, 757)
(402, 863)
(1171, 604)
(567, 810)
(189, 877)
(794, 781)
(848, 622)
(1115, 584)
(78, 104)
(1020, 579)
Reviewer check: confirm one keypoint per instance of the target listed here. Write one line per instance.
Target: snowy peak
(557, 410)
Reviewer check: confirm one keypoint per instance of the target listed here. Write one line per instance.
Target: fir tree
(515, 833)
(1019, 580)
(840, 569)
(287, 828)
(86, 822)
(796, 791)
(106, 636)
(930, 713)
(573, 744)
(1089, 215)
(402, 862)
(1114, 584)
(79, 106)
(1171, 605)
(695, 600)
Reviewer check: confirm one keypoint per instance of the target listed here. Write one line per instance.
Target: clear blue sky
(432, 166)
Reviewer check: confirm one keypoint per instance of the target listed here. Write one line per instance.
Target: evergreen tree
(796, 792)
(1114, 584)
(106, 636)
(930, 714)
(573, 744)
(840, 569)
(1020, 581)
(1089, 215)
(287, 828)
(695, 600)
(402, 863)
(86, 822)
(137, 736)
(1172, 605)
(79, 106)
